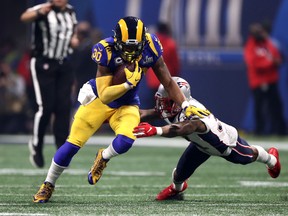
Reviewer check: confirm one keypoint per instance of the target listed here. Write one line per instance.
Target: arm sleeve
(108, 93)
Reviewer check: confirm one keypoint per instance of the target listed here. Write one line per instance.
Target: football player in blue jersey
(118, 104)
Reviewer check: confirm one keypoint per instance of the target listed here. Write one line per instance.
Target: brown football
(119, 76)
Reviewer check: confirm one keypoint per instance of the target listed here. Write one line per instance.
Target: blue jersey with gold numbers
(105, 54)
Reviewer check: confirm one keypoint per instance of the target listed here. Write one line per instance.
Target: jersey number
(96, 55)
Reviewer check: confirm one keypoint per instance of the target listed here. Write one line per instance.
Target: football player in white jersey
(208, 136)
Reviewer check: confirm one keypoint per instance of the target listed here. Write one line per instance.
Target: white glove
(86, 94)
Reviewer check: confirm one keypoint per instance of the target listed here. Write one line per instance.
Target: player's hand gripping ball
(119, 75)
(133, 77)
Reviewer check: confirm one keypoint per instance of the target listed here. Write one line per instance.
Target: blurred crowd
(17, 96)
(14, 84)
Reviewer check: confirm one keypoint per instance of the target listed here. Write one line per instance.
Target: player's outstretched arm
(187, 127)
(148, 114)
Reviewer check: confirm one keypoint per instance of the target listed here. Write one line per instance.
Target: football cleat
(96, 170)
(36, 156)
(170, 193)
(44, 193)
(275, 171)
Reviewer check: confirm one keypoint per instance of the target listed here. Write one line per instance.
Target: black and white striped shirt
(51, 34)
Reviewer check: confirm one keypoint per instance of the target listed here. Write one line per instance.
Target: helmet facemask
(130, 38)
(166, 107)
(130, 50)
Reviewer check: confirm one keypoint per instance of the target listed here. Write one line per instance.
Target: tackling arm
(148, 114)
(179, 129)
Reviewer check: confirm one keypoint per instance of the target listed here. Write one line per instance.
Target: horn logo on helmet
(130, 39)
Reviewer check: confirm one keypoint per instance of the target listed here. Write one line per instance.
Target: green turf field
(131, 181)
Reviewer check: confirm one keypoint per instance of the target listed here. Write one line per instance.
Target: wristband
(159, 131)
(185, 104)
(127, 86)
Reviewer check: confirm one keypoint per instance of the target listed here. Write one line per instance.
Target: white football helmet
(166, 107)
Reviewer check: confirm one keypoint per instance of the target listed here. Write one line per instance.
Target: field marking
(147, 141)
(263, 184)
(135, 195)
(187, 194)
(240, 185)
(22, 214)
(32, 172)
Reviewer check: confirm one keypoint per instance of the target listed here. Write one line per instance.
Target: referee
(53, 40)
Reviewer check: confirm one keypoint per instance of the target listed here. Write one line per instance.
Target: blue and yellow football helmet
(129, 37)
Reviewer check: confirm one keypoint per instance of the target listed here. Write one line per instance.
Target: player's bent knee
(122, 143)
(65, 153)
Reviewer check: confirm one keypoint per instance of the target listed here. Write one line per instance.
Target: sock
(109, 152)
(65, 153)
(265, 157)
(54, 172)
(122, 144)
(178, 186)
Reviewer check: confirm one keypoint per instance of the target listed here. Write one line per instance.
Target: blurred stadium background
(210, 35)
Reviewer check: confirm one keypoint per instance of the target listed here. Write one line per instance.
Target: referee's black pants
(268, 111)
(52, 81)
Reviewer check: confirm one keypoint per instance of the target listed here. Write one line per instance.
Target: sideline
(148, 141)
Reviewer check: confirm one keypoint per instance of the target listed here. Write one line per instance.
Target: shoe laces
(46, 189)
(99, 165)
(171, 190)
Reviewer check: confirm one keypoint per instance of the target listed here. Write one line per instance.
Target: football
(119, 76)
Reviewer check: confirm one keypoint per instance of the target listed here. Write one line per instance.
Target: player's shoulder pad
(102, 52)
(154, 44)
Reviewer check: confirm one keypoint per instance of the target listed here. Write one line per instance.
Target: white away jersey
(219, 137)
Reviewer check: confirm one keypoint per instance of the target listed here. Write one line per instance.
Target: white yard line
(148, 141)
(263, 184)
(238, 184)
(31, 172)
(21, 214)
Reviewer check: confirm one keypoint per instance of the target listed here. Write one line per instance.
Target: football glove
(192, 110)
(86, 94)
(144, 129)
(133, 77)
